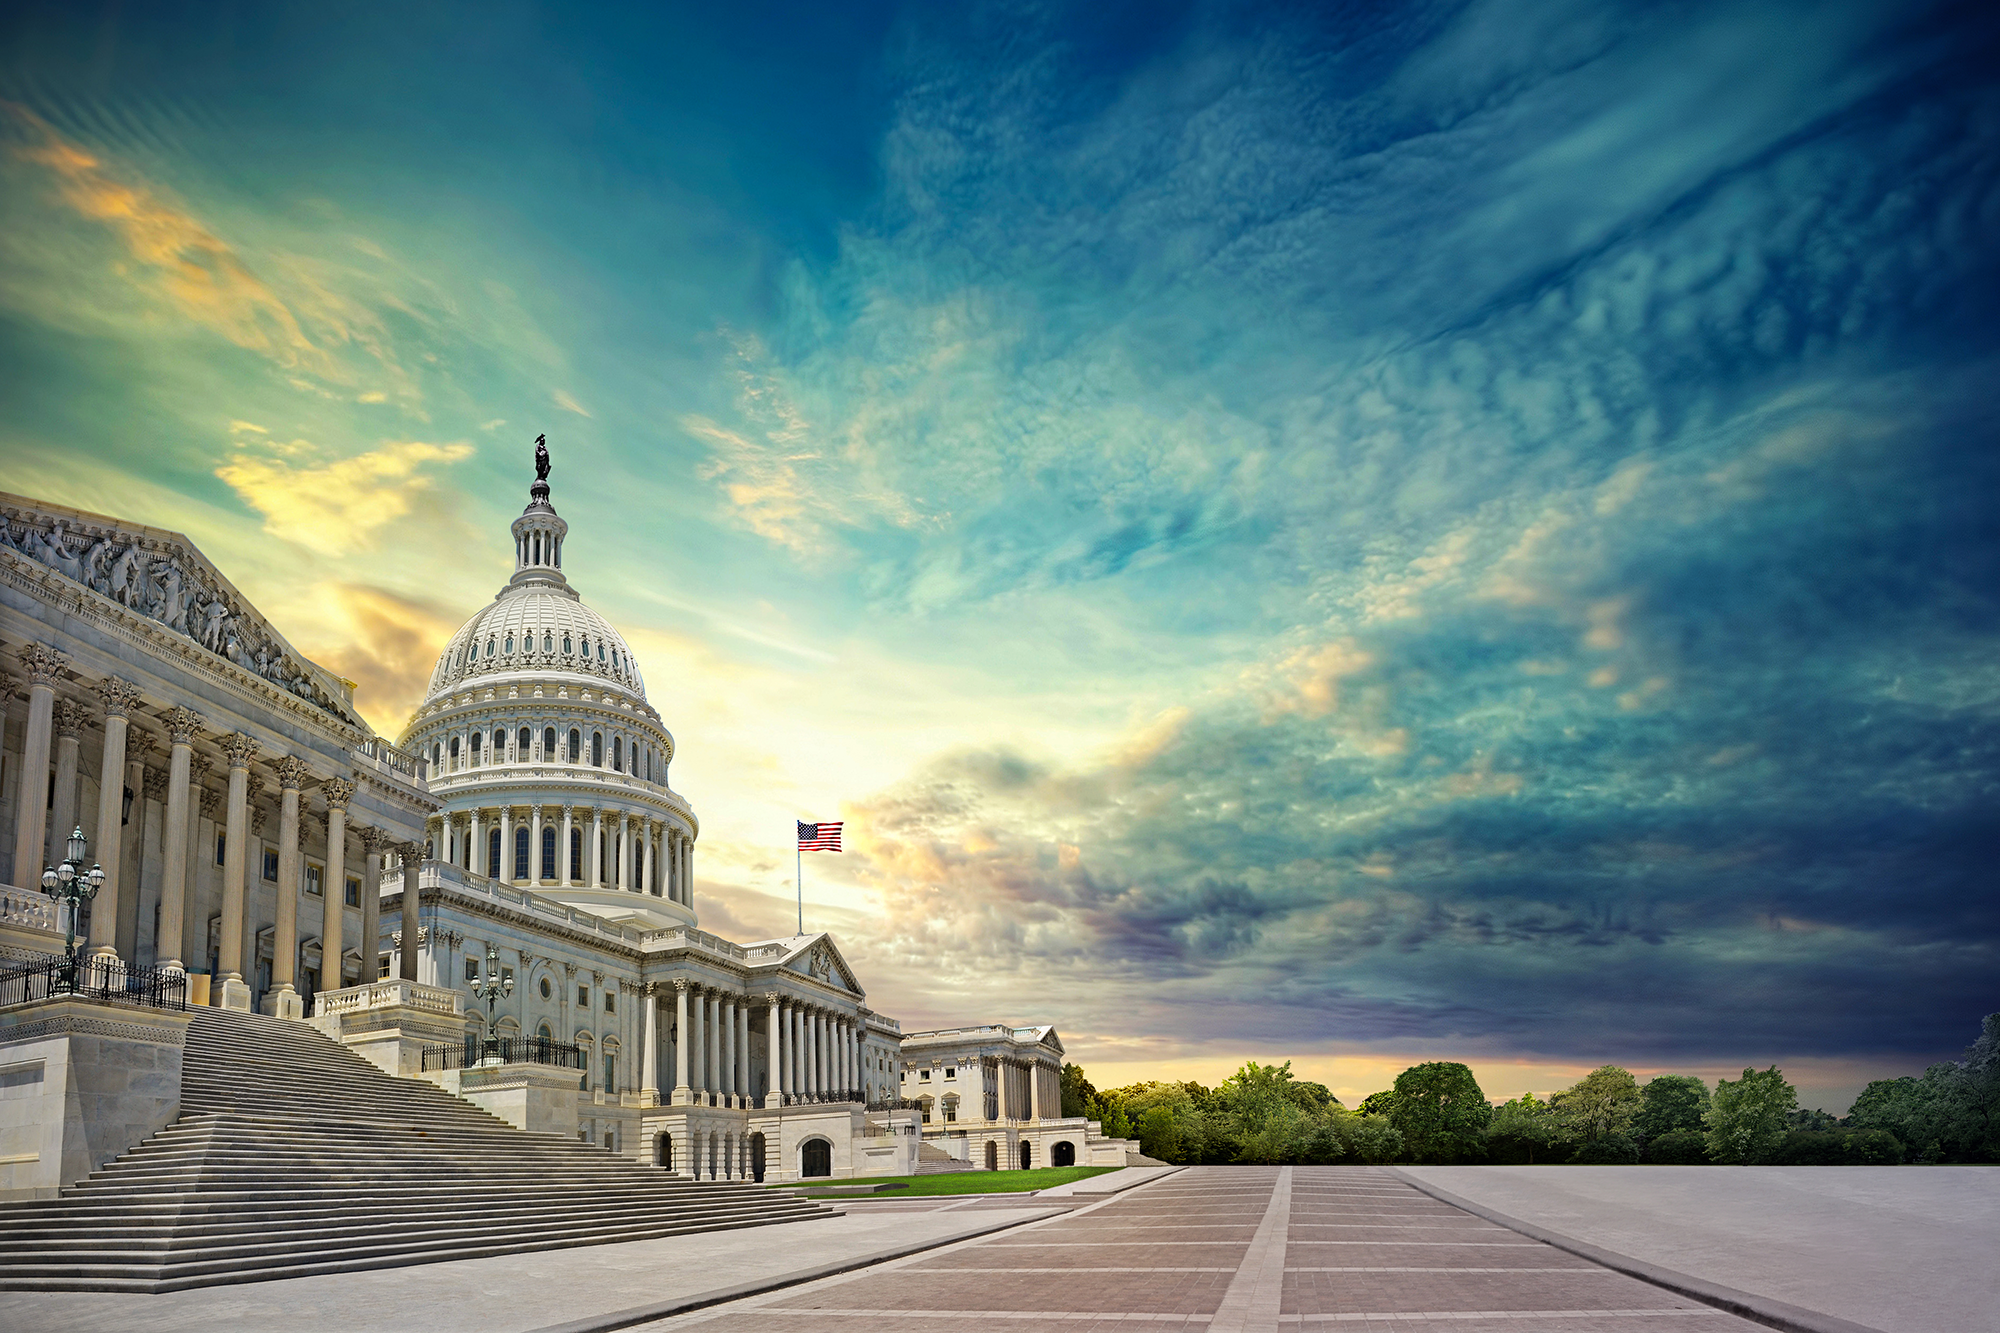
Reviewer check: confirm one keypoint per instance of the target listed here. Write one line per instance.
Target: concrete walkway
(1900, 1249)
(521, 1292)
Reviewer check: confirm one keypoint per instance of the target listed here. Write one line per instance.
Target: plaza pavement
(1231, 1250)
(1897, 1248)
(1220, 1249)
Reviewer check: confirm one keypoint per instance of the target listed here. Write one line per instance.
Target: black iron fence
(894, 1104)
(503, 1050)
(97, 977)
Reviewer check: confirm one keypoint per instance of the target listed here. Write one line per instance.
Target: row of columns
(651, 855)
(814, 1053)
(45, 666)
(636, 755)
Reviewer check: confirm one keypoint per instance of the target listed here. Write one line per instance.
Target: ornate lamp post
(492, 987)
(73, 886)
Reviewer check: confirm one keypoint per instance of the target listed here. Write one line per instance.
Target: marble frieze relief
(168, 584)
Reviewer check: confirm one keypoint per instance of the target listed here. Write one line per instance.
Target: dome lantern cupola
(538, 538)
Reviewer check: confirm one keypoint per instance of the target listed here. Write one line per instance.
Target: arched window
(618, 752)
(454, 752)
(510, 645)
(499, 746)
(524, 745)
(566, 643)
(586, 645)
(489, 645)
(575, 746)
(649, 763)
(575, 854)
(548, 745)
(493, 851)
(548, 866)
(521, 852)
(597, 749)
(600, 650)
(548, 642)
(475, 749)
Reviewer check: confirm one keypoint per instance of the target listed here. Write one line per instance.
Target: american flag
(819, 837)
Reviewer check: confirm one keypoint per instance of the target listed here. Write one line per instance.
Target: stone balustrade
(388, 994)
(21, 907)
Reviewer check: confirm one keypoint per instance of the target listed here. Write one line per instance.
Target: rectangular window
(951, 1073)
(353, 894)
(271, 866)
(472, 969)
(610, 1083)
(221, 846)
(382, 966)
(314, 877)
(923, 1076)
(583, 996)
(610, 1002)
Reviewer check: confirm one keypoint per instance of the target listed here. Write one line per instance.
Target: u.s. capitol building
(502, 904)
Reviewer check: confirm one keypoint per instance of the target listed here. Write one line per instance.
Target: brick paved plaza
(1236, 1249)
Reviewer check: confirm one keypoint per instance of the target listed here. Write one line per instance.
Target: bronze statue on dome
(541, 458)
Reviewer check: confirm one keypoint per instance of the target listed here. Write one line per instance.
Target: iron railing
(96, 977)
(503, 1050)
(895, 1104)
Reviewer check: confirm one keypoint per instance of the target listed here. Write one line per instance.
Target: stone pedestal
(284, 1003)
(390, 1022)
(235, 995)
(81, 1081)
(540, 1099)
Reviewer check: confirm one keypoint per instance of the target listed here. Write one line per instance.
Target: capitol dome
(551, 764)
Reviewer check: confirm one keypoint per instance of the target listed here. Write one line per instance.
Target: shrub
(1607, 1150)
(1873, 1147)
(1679, 1147)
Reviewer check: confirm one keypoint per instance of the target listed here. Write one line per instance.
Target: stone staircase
(935, 1161)
(294, 1156)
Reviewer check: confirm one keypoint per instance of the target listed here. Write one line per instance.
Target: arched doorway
(663, 1152)
(816, 1158)
(1027, 1155)
(1062, 1154)
(757, 1157)
(992, 1155)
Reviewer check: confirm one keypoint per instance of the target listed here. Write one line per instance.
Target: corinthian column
(563, 867)
(183, 725)
(682, 1093)
(373, 840)
(119, 697)
(649, 1055)
(283, 1001)
(412, 854)
(68, 722)
(535, 844)
(44, 666)
(646, 875)
(238, 750)
(332, 933)
(597, 848)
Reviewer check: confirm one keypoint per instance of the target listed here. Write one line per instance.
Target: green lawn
(971, 1182)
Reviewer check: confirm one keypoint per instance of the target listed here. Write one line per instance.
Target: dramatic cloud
(336, 506)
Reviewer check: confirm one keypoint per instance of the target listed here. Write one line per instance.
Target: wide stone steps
(294, 1156)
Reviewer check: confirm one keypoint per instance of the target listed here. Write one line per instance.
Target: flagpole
(799, 880)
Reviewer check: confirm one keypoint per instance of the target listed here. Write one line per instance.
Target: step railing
(475, 1051)
(97, 977)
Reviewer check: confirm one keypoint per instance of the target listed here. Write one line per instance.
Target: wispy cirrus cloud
(335, 506)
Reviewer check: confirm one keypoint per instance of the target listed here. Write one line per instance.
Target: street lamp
(73, 886)
(493, 986)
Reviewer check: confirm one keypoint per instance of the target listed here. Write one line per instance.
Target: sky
(1345, 533)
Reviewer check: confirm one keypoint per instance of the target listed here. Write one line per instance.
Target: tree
(1160, 1135)
(1746, 1119)
(1109, 1112)
(1524, 1125)
(1439, 1110)
(1670, 1104)
(1076, 1091)
(1597, 1113)
(1679, 1147)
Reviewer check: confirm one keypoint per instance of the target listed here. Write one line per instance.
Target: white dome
(539, 629)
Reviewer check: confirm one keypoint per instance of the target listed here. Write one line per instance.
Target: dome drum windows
(548, 745)
(597, 749)
(575, 746)
(524, 746)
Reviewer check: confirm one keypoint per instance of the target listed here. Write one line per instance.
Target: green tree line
(1437, 1113)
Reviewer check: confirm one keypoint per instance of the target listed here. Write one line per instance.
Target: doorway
(1027, 1155)
(816, 1158)
(1062, 1154)
(992, 1155)
(757, 1158)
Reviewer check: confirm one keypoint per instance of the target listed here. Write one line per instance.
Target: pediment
(161, 576)
(818, 957)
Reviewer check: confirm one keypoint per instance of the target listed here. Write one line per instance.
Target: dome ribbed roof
(537, 627)
(537, 630)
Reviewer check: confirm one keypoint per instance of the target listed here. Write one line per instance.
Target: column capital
(211, 801)
(292, 772)
(683, 985)
(238, 749)
(338, 791)
(69, 718)
(198, 767)
(154, 783)
(120, 696)
(373, 840)
(44, 663)
(183, 725)
(770, 997)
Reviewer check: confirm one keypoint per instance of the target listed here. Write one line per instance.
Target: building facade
(992, 1096)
